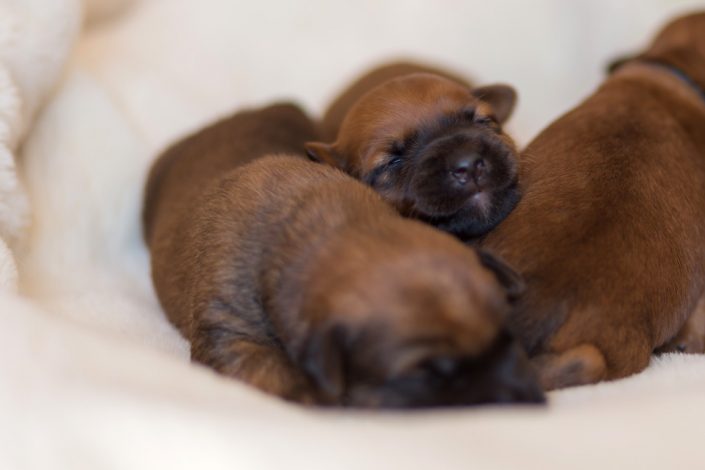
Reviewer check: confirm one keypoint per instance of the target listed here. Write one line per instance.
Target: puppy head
(434, 149)
(681, 43)
(685, 32)
(419, 332)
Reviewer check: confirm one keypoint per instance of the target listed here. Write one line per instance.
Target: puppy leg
(248, 354)
(261, 365)
(583, 364)
(691, 337)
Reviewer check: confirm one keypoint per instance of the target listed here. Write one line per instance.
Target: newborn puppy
(610, 233)
(299, 280)
(339, 108)
(434, 149)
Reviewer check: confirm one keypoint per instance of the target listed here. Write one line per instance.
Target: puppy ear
(507, 277)
(322, 358)
(322, 153)
(502, 98)
(617, 63)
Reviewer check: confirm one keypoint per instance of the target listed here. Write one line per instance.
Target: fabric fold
(36, 38)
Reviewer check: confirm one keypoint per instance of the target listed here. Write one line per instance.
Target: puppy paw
(686, 344)
(691, 337)
(297, 393)
(581, 365)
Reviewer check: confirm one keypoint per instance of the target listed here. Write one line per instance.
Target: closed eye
(397, 151)
(394, 162)
(486, 120)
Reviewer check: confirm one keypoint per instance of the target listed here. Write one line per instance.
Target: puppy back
(182, 172)
(233, 241)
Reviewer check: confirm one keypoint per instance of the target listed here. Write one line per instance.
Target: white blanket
(35, 39)
(93, 376)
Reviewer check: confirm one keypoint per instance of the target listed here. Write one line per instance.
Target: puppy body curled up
(610, 233)
(299, 280)
(433, 147)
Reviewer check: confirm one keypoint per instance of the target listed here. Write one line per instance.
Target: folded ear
(322, 153)
(322, 358)
(502, 98)
(507, 277)
(617, 63)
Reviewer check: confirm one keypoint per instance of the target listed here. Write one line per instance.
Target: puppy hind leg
(256, 361)
(580, 365)
(691, 337)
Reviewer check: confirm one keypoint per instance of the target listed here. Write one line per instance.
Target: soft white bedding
(91, 374)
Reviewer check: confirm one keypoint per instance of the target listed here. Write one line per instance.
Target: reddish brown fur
(409, 136)
(339, 108)
(301, 281)
(691, 338)
(610, 232)
(388, 113)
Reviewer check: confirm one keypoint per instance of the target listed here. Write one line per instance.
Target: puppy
(339, 108)
(299, 280)
(434, 149)
(610, 232)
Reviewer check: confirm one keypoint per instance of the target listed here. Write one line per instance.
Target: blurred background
(177, 63)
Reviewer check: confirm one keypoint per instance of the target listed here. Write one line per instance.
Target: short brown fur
(339, 108)
(432, 146)
(299, 280)
(691, 338)
(610, 232)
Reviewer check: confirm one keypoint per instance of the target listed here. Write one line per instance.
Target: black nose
(469, 168)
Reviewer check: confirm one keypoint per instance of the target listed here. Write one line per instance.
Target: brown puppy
(339, 108)
(299, 280)
(610, 233)
(434, 149)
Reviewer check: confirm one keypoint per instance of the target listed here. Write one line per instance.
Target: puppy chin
(481, 203)
(482, 212)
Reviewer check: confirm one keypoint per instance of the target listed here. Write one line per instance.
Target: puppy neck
(665, 74)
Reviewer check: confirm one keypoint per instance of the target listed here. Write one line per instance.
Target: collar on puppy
(679, 73)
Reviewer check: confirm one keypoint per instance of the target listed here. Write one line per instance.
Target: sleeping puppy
(339, 108)
(434, 149)
(610, 233)
(297, 279)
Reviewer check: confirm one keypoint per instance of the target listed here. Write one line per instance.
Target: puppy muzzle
(460, 170)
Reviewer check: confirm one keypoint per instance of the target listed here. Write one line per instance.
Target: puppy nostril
(479, 169)
(460, 174)
(461, 170)
(479, 165)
